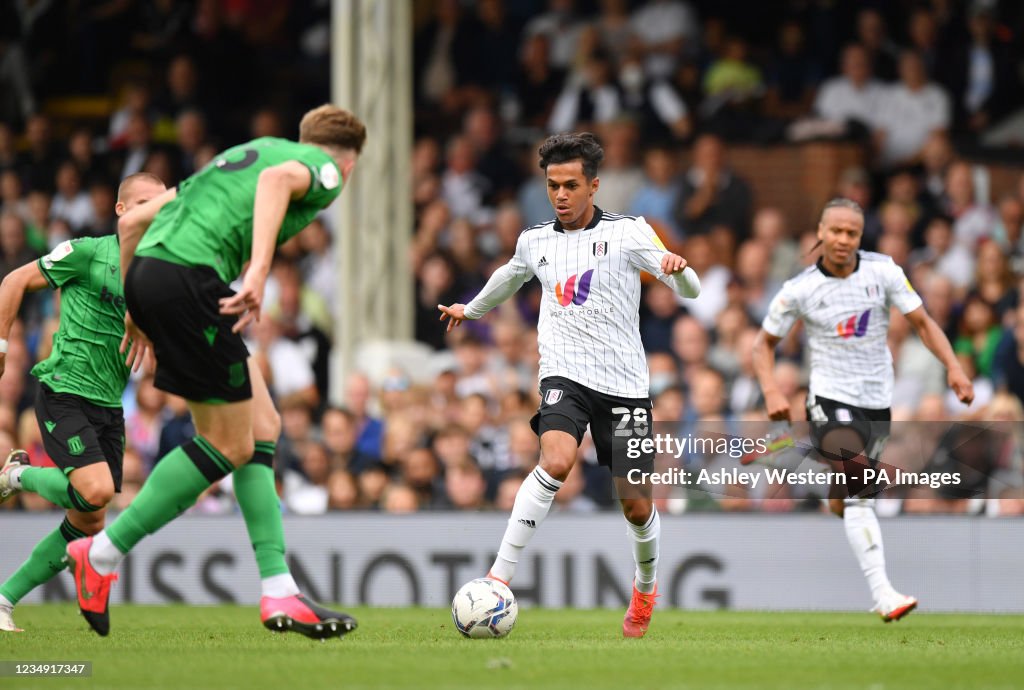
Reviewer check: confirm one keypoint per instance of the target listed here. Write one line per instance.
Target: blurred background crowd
(921, 100)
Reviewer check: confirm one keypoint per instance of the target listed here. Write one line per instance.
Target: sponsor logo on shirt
(574, 293)
(854, 326)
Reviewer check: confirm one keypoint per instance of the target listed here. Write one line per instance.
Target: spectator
(102, 198)
(538, 82)
(621, 178)
(657, 195)
(14, 250)
(883, 53)
(943, 256)
(144, 424)
(342, 491)
(190, 126)
(981, 75)
(771, 230)
(357, 398)
(978, 335)
(463, 188)
(665, 29)
(660, 310)
(38, 165)
(972, 221)
(465, 487)
(855, 96)
(655, 104)
(909, 113)
(793, 76)
(340, 434)
(560, 26)
(711, 194)
(592, 100)
(483, 130)
(732, 79)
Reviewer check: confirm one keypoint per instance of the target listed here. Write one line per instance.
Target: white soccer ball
(484, 608)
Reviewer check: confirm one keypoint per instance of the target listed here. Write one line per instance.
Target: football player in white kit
(844, 301)
(593, 370)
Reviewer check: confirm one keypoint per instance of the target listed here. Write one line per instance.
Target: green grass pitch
(225, 647)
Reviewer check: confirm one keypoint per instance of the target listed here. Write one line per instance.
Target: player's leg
(256, 492)
(560, 423)
(846, 450)
(534, 498)
(282, 607)
(615, 422)
(222, 442)
(47, 558)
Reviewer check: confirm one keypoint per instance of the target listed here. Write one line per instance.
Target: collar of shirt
(598, 214)
(821, 267)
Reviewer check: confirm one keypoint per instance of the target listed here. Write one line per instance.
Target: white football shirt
(588, 329)
(847, 323)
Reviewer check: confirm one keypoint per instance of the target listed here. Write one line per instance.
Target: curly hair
(562, 148)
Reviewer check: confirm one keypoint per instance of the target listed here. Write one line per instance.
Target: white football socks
(865, 537)
(279, 586)
(533, 501)
(644, 539)
(103, 555)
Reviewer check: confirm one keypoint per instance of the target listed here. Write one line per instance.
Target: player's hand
(135, 342)
(672, 264)
(456, 313)
(961, 385)
(777, 406)
(246, 302)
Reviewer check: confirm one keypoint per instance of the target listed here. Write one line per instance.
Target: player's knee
(96, 491)
(239, 451)
(268, 425)
(638, 511)
(557, 465)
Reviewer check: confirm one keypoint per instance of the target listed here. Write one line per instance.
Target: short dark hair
(842, 202)
(562, 148)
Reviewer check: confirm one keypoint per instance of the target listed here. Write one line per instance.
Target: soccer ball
(484, 608)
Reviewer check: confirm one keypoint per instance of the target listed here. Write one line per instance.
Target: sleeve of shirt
(68, 260)
(503, 283)
(899, 292)
(646, 250)
(326, 182)
(783, 311)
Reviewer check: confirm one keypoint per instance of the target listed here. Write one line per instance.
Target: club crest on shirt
(872, 290)
(600, 248)
(553, 396)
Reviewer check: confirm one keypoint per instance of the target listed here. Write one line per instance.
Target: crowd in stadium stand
(669, 86)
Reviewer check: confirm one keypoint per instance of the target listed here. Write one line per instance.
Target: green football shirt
(85, 360)
(209, 223)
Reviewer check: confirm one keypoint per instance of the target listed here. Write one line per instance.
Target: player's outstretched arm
(276, 188)
(15, 284)
(775, 402)
(935, 340)
(502, 284)
(134, 223)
